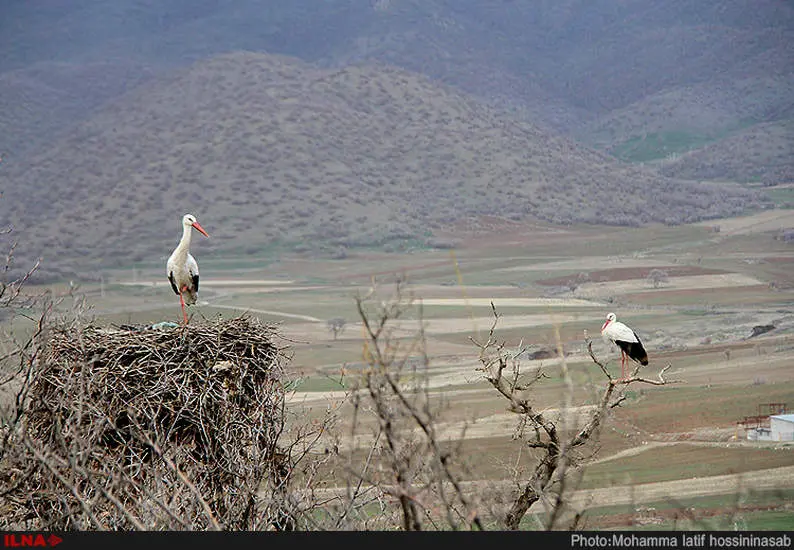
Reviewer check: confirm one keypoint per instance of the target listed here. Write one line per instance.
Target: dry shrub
(149, 428)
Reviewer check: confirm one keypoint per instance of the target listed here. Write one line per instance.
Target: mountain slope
(563, 61)
(709, 110)
(763, 152)
(269, 151)
(44, 100)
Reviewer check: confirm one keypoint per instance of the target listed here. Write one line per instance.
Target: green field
(656, 146)
(783, 197)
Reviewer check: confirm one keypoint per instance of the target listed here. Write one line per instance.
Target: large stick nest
(132, 427)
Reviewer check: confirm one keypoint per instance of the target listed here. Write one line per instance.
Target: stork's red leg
(182, 302)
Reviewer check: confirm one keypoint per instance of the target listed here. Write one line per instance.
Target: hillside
(593, 56)
(272, 152)
(762, 153)
(42, 102)
(697, 114)
(604, 71)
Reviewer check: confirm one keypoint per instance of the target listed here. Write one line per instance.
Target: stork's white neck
(181, 251)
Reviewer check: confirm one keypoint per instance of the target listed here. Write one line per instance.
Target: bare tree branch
(553, 437)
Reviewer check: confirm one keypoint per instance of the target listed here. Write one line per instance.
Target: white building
(759, 433)
(781, 427)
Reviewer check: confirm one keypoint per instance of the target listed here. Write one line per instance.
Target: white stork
(181, 268)
(626, 339)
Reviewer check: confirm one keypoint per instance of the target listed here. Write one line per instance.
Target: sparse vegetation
(351, 174)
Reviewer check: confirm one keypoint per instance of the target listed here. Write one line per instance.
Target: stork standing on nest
(627, 340)
(181, 268)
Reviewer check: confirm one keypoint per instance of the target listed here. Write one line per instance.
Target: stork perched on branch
(626, 339)
(181, 268)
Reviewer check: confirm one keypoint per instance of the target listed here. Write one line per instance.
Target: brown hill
(270, 152)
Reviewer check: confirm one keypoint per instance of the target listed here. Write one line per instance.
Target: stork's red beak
(200, 229)
(605, 324)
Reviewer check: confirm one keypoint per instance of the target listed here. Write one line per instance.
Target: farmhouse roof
(784, 417)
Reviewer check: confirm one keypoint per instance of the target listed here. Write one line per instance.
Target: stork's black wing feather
(635, 350)
(195, 282)
(173, 283)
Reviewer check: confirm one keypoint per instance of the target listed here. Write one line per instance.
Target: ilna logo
(19, 540)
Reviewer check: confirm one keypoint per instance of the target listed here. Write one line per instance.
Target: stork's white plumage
(181, 268)
(626, 339)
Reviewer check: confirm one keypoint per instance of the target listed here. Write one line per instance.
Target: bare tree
(558, 440)
(336, 326)
(416, 469)
(417, 479)
(581, 278)
(11, 289)
(658, 277)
